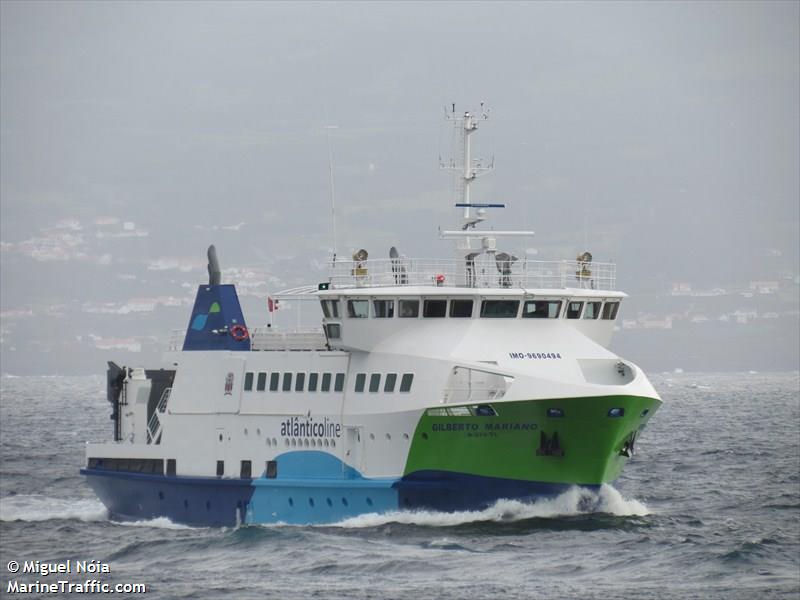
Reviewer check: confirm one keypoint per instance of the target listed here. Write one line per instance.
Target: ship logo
(199, 322)
(229, 384)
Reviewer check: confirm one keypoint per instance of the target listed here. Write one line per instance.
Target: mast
(469, 240)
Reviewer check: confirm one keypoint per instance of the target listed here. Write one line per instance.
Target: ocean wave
(575, 501)
(36, 508)
(157, 523)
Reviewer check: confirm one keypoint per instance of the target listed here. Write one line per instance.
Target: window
(383, 309)
(374, 382)
(338, 385)
(406, 381)
(220, 468)
(272, 469)
(326, 382)
(610, 310)
(299, 382)
(541, 309)
(390, 382)
(409, 309)
(262, 382)
(248, 382)
(434, 308)
(171, 467)
(246, 470)
(357, 309)
(461, 308)
(287, 382)
(333, 330)
(312, 381)
(574, 310)
(330, 308)
(273, 382)
(592, 310)
(361, 379)
(499, 309)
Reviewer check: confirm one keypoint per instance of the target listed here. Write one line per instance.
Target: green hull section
(528, 441)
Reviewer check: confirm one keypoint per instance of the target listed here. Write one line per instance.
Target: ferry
(429, 385)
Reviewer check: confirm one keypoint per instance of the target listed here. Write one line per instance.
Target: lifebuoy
(239, 333)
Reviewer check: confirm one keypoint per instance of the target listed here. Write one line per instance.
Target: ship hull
(526, 451)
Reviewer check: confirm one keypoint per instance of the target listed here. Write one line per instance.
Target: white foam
(574, 501)
(157, 523)
(35, 508)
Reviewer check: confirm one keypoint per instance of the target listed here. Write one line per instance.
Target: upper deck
(480, 272)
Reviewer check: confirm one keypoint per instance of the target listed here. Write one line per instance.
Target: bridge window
(434, 308)
(357, 309)
(383, 309)
(592, 310)
(330, 308)
(361, 379)
(273, 382)
(499, 309)
(406, 381)
(171, 470)
(287, 382)
(610, 310)
(541, 309)
(461, 308)
(326, 382)
(574, 310)
(409, 309)
(246, 470)
(333, 330)
(374, 382)
(312, 381)
(299, 382)
(261, 385)
(248, 381)
(338, 384)
(220, 468)
(390, 382)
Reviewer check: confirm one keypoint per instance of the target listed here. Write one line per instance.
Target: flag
(272, 305)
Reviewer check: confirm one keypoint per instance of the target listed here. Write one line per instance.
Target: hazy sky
(664, 136)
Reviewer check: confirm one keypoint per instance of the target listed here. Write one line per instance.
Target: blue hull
(210, 501)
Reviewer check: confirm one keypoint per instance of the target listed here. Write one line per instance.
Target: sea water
(709, 507)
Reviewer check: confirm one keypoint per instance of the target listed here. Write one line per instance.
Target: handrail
(479, 272)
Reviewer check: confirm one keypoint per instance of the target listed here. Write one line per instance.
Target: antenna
(470, 168)
(333, 188)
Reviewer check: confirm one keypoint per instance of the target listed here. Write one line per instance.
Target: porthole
(405, 436)
(344, 501)
(291, 502)
(305, 442)
(294, 443)
(220, 437)
(274, 442)
(319, 443)
(311, 502)
(329, 502)
(372, 436)
(424, 436)
(269, 442)
(389, 436)
(286, 440)
(313, 443)
(369, 501)
(160, 495)
(326, 443)
(333, 443)
(245, 430)
(258, 431)
(185, 503)
(208, 505)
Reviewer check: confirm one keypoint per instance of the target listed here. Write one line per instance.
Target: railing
(474, 385)
(266, 339)
(154, 425)
(481, 272)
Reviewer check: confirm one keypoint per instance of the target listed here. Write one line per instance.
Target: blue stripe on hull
(311, 487)
(189, 500)
(449, 491)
